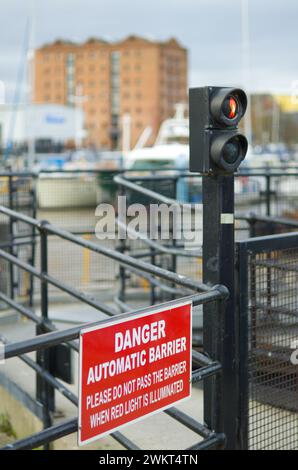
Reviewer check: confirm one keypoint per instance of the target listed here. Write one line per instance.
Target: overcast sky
(210, 29)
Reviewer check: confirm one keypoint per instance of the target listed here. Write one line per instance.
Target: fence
(164, 271)
(268, 301)
(46, 382)
(271, 191)
(68, 199)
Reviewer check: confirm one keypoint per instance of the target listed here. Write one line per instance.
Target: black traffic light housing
(216, 146)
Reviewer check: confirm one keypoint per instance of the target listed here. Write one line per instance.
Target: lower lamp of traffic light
(228, 152)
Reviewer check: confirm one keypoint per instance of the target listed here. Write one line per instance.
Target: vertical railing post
(44, 392)
(152, 286)
(122, 249)
(268, 195)
(220, 324)
(173, 236)
(11, 235)
(33, 238)
(252, 225)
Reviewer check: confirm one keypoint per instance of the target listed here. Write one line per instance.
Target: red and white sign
(133, 367)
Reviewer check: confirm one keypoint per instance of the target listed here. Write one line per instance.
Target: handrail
(47, 340)
(209, 368)
(159, 247)
(122, 258)
(269, 219)
(122, 181)
(255, 171)
(49, 336)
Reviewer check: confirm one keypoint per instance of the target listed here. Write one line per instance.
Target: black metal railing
(48, 336)
(260, 190)
(159, 265)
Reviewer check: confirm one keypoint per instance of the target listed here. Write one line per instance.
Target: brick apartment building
(136, 76)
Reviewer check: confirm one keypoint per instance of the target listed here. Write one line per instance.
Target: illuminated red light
(232, 108)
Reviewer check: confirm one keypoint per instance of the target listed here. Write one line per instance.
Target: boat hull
(75, 191)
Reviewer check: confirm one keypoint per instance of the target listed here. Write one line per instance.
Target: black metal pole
(268, 195)
(122, 249)
(11, 235)
(152, 286)
(220, 393)
(173, 237)
(45, 393)
(33, 240)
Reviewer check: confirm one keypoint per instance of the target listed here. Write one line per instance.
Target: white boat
(77, 185)
(171, 150)
(66, 190)
(171, 156)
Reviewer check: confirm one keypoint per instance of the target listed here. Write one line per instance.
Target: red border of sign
(171, 305)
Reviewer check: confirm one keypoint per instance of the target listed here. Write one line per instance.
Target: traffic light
(216, 146)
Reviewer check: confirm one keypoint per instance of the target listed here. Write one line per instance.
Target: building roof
(131, 39)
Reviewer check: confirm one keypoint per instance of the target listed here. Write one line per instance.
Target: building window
(70, 77)
(115, 83)
(70, 59)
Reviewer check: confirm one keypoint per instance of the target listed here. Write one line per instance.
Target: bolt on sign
(133, 367)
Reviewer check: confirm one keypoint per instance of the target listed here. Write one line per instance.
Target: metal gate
(268, 337)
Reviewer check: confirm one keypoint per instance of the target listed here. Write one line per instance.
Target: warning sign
(133, 367)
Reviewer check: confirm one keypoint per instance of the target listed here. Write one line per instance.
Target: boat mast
(245, 43)
(31, 84)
